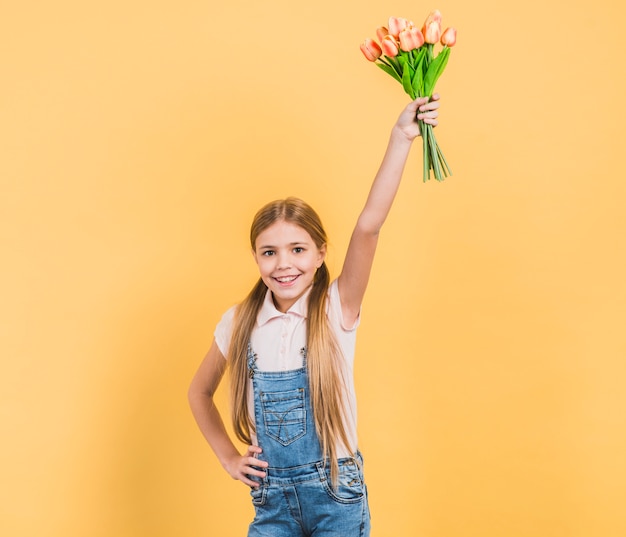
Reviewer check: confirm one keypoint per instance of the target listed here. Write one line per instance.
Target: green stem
(425, 153)
(432, 142)
(430, 54)
(444, 161)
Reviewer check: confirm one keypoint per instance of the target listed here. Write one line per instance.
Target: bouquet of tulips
(407, 54)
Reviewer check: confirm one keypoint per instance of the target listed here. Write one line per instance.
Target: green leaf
(418, 78)
(390, 71)
(435, 69)
(406, 81)
(395, 64)
(419, 54)
(409, 58)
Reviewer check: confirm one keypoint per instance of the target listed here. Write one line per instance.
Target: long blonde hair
(324, 358)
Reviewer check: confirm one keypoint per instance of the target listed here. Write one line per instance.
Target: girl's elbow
(194, 394)
(368, 227)
(192, 397)
(198, 395)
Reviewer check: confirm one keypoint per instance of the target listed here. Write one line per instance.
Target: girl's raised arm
(356, 269)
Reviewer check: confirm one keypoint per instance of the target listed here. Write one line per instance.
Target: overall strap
(252, 357)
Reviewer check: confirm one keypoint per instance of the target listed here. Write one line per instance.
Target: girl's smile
(287, 259)
(286, 281)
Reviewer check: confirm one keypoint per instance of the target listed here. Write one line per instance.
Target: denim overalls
(296, 498)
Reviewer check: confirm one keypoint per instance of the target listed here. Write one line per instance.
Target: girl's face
(287, 258)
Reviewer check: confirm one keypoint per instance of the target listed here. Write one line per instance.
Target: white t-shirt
(277, 340)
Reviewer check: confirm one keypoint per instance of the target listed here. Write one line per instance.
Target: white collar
(269, 311)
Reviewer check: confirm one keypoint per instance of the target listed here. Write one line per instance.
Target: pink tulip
(432, 27)
(396, 25)
(390, 46)
(371, 50)
(448, 38)
(411, 38)
(381, 32)
(433, 16)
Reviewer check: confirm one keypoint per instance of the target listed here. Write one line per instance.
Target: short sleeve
(224, 330)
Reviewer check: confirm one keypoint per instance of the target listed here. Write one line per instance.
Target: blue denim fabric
(297, 498)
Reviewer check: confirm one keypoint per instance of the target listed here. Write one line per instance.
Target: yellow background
(137, 140)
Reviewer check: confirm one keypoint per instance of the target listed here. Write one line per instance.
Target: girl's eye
(298, 250)
(268, 253)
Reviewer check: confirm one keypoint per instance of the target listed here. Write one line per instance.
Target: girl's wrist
(398, 135)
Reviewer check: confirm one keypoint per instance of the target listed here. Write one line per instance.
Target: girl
(290, 346)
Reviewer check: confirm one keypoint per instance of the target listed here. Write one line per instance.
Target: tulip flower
(448, 38)
(381, 32)
(390, 46)
(396, 25)
(432, 32)
(432, 28)
(410, 39)
(433, 16)
(371, 50)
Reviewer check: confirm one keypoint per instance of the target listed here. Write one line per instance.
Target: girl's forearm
(386, 183)
(212, 427)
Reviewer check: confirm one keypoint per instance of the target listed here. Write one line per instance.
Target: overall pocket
(350, 487)
(284, 415)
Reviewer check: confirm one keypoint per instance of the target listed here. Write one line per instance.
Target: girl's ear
(322, 256)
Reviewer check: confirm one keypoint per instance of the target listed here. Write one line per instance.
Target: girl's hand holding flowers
(420, 110)
(407, 54)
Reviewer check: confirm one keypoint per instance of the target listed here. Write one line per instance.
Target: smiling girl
(290, 346)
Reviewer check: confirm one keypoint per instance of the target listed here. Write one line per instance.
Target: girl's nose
(284, 261)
